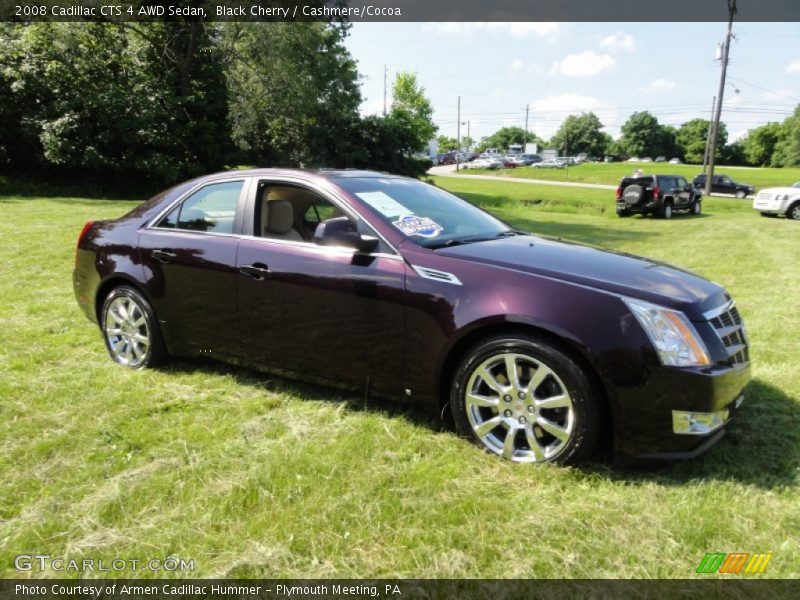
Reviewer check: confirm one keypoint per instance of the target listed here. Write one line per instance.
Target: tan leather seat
(279, 224)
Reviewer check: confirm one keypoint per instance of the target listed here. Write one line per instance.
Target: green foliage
(413, 110)
(446, 144)
(787, 149)
(643, 135)
(505, 136)
(582, 134)
(759, 145)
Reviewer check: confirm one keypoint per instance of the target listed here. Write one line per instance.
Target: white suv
(772, 202)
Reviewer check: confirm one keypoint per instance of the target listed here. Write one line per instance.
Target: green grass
(611, 173)
(251, 475)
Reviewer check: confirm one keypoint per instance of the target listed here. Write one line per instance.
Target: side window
(680, 182)
(320, 210)
(211, 208)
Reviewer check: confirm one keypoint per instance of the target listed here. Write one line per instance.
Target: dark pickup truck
(658, 195)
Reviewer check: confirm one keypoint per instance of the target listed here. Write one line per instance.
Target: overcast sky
(612, 69)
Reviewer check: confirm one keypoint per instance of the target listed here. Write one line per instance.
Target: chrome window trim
(151, 224)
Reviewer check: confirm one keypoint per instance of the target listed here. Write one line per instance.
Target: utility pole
(708, 133)
(385, 73)
(718, 112)
(458, 135)
(525, 141)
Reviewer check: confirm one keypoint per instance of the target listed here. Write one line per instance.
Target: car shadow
(761, 446)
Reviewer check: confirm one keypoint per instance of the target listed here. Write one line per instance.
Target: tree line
(159, 102)
(773, 144)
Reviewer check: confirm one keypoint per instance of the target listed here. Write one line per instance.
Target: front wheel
(740, 194)
(666, 211)
(525, 400)
(696, 209)
(130, 329)
(794, 212)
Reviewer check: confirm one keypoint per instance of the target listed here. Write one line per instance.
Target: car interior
(291, 213)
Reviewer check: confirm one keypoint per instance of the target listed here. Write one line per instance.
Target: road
(450, 171)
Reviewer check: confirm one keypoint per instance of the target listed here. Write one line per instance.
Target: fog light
(697, 423)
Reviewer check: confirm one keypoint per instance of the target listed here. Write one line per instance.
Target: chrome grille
(727, 323)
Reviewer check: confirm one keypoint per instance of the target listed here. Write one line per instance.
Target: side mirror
(341, 231)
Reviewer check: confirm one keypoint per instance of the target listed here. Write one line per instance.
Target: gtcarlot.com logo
(45, 562)
(733, 563)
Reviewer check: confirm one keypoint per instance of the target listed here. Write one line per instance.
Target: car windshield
(425, 214)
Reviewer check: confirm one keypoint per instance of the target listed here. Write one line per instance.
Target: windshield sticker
(421, 226)
(384, 204)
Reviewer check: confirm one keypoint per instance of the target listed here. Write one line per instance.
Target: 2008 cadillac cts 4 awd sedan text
(539, 348)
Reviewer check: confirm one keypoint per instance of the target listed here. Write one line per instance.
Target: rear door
(189, 259)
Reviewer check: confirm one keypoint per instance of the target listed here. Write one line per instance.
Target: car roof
(320, 172)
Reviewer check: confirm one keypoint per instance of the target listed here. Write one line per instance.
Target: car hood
(781, 190)
(615, 272)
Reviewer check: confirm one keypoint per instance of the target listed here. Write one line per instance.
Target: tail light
(656, 193)
(80, 238)
(619, 193)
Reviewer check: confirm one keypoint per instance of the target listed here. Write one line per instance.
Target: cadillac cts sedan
(539, 348)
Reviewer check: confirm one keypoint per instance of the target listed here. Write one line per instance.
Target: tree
(642, 135)
(293, 92)
(691, 138)
(582, 134)
(412, 109)
(787, 148)
(446, 144)
(505, 136)
(759, 145)
(467, 142)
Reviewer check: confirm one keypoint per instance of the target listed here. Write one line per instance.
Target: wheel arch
(114, 281)
(791, 207)
(510, 325)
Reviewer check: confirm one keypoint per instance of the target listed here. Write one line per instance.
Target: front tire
(130, 329)
(666, 211)
(525, 400)
(794, 212)
(696, 209)
(740, 194)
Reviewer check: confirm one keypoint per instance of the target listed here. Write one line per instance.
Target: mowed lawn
(252, 475)
(611, 173)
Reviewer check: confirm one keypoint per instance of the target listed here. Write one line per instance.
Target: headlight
(673, 336)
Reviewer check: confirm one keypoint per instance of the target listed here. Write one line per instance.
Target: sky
(557, 69)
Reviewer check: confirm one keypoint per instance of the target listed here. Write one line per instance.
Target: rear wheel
(740, 194)
(623, 213)
(794, 212)
(130, 329)
(526, 401)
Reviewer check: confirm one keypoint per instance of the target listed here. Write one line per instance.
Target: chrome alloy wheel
(519, 408)
(127, 332)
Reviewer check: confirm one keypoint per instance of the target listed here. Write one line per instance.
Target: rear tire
(130, 329)
(525, 399)
(623, 213)
(740, 194)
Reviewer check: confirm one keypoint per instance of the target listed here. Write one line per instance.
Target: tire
(130, 329)
(557, 421)
(740, 194)
(633, 194)
(623, 213)
(695, 208)
(794, 212)
(666, 211)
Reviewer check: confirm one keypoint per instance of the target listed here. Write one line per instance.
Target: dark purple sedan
(539, 348)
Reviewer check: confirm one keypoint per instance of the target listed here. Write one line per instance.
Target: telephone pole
(525, 141)
(715, 124)
(458, 135)
(385, 73)
(708, 134)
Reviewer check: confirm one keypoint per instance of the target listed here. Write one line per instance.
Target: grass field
(252, 475)
(611, 173)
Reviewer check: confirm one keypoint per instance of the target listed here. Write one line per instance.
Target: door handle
(256, 271)
(164, 256)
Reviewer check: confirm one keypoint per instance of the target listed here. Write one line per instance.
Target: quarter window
(211, 209)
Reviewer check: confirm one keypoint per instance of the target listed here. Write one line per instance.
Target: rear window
(211, 208)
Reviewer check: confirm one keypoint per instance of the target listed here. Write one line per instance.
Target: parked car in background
(660, 159)
(489, 162)
(512, 162)
(529, 159)
(646, 159)
(657, 195)
(549, 164)
(722, 184)
(772, 202)
(674, 161)
(540, 349)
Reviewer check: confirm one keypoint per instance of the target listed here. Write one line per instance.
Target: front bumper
(770, 205)
(645, 420)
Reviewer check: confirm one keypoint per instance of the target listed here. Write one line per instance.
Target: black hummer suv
(658, 195)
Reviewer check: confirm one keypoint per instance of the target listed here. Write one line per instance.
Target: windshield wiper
(511, 232)
(458, 242)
